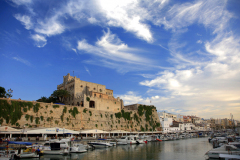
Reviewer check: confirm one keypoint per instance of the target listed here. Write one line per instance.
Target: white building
(186, 126)
(165, 121)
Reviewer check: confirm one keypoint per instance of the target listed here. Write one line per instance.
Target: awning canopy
(95, 131)
(8, 130)
(53, 130)
(119, 131)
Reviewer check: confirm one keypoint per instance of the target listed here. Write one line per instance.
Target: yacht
(100, 144)
(224, 149)
(55, 149)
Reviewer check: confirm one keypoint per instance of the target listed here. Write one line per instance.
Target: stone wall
(76, 117)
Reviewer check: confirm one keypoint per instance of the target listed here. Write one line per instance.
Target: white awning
(93, 131)
(54, 130)
(8, 130)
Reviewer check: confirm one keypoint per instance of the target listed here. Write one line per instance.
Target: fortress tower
(90, 95)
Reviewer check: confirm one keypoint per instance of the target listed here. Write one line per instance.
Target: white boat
(224, 149)
(78, 148)
(128, 139)
(100, 144)
(113, 143)
(26, 155)
(140, 140)
(55, 149)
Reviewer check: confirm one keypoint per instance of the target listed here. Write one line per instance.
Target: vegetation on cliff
(12, 112)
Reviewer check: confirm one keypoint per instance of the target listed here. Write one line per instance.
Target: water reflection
(186, 149)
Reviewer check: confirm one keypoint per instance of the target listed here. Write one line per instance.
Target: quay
(43, 134)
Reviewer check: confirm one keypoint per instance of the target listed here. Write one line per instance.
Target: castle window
(94, 88)
(81, 86)
(100, 96)
(94, 95)
(107, 107)
(100, 90)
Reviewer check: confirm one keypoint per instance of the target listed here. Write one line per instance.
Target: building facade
(89, 95)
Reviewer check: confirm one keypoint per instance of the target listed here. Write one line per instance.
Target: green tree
(5, 94)
(61, 95)
(2, 92)
(47, 100)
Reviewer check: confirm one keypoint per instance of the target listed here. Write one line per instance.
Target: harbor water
(185, 149)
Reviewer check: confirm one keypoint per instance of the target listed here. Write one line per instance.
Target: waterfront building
(165, 121)
(89, 95)
(186, 126)
(167, 115)
(179, 118)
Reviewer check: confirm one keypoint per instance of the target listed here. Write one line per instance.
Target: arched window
(100, 90)
(100, 96)
(94, 95)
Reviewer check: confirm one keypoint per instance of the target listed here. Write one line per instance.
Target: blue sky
(181, 56)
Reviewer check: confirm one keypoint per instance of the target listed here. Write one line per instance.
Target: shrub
(55, 106)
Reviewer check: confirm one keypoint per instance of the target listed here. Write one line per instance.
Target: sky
(181, 56)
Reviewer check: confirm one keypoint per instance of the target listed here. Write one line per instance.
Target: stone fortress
(90, 106)
(100, 98)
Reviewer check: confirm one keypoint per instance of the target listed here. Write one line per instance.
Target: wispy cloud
(26, 62)
(110, 47)
(40, 41)
(116, 54)
(208, 13)
(50, 27)
(212, 84)
(22, 2)
(199, 41)
(87, 70)
(74, 50)
(26, 20)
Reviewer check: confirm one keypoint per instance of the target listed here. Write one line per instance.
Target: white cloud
(40, 41)
(26, 62)
(128, 15)
(74, 50)
(209, 13)
(25, 20)
(50, 27)
(21, 2)
(87, 70)
(111, 47)
(212, 83)
(199, 41)
(92, 20)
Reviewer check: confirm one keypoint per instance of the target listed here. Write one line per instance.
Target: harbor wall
(19, 113)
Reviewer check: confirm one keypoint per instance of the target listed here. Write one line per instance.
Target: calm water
(187, 149)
